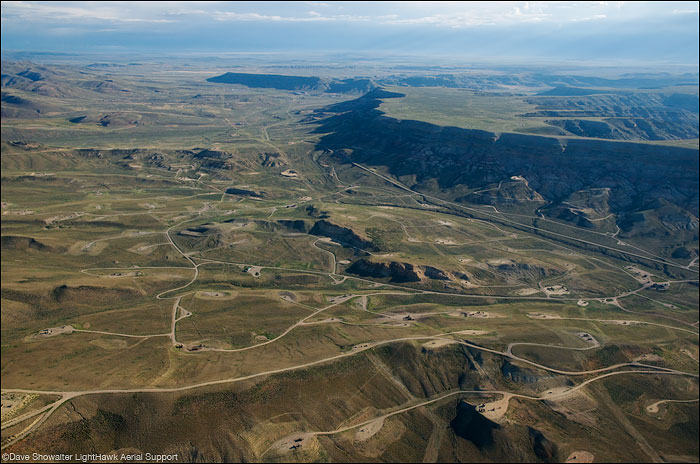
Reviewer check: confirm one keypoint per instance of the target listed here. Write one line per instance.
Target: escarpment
(607, 179)
(554, 168)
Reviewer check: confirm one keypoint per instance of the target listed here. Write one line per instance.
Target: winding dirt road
(42, 414)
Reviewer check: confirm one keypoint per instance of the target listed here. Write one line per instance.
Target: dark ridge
(448, 162)
(398, 272)
(351, 86)
(16, 242)
(297, 83)
(215, 154)
(441, 158)
(342, 235)
(245, 192)
(267, 81)
(366, 102)
(543, 448)
(31, 75)
(13, 99)
(472, 426)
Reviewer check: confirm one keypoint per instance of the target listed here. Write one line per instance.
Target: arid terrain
(370, 264)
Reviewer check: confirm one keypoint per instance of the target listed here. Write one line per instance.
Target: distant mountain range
(564, 85)
(300, 83)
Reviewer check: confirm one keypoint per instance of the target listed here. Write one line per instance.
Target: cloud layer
(439, 14)
(663, 29)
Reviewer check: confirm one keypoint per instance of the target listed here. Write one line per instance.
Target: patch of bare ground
(288, 296)
(580, 456)
(289, 173)
(543, 316)
(433, 344)
(340, 299)
(93, 248)
(126, 274)
(479, 314)
(254, 270)
(527, 291)
(495, 410)
(51, 332)
(303, 446)
(555, 290)
(215, 295)
(13, 403)
(367, 431)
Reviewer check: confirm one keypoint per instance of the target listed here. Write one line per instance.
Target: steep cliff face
(404, 272)
(554, 168)
(399, 272)
(449, 161)
(340, 234)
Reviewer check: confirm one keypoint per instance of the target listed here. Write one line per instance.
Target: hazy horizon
(628, 33)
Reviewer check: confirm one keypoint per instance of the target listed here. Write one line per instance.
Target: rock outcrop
(400, 272)
(343, 235)
(18, 242)
(245, 192)
(397, 272)
(520, 374)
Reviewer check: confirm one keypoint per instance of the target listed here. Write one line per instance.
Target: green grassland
(498, 112)
(464, 108)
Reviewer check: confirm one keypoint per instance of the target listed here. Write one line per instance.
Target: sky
(613, 31)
